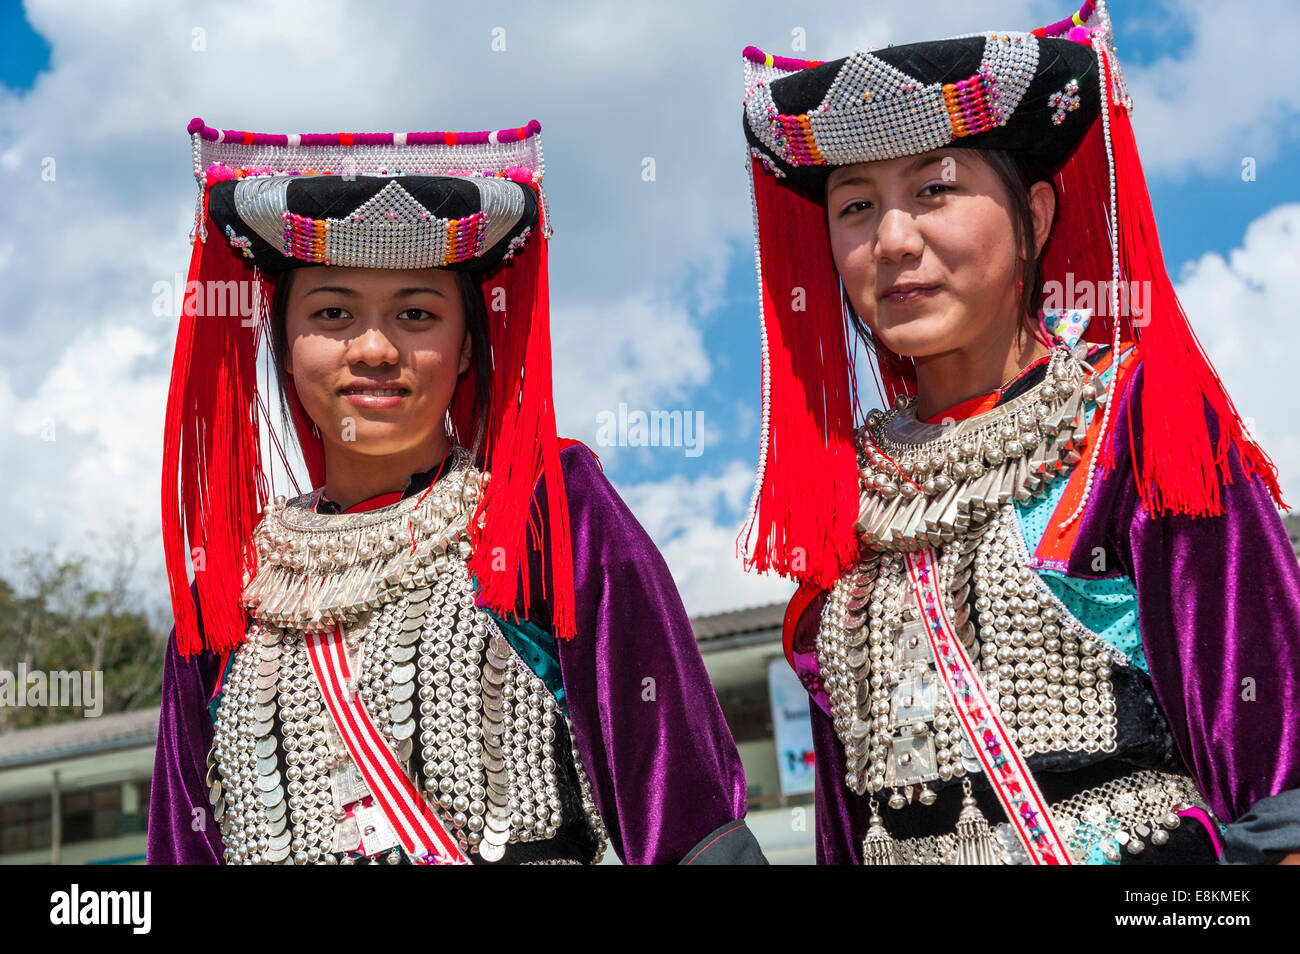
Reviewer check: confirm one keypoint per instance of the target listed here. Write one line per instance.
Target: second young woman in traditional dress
(1049, 611)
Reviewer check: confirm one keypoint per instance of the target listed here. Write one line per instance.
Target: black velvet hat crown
(1015, 91)
(464, 223)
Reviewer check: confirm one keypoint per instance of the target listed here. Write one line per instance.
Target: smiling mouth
(907, 294)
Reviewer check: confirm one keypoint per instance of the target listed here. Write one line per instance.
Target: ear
(466, 353)
(1042, 205)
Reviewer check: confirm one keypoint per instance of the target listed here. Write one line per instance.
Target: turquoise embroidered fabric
(1107, 607)
(537, 648)
(215, 702)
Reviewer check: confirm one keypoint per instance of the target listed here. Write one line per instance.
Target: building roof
(741, 622)
(47, 743)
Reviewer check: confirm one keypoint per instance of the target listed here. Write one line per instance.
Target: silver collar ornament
(927, 484)
(953, 486)
(471, 723)
(316, 570)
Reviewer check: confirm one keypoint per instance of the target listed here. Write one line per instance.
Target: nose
(897, 236)
(372, 347)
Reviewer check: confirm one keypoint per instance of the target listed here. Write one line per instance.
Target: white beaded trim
(765, 428)
(1103, 55)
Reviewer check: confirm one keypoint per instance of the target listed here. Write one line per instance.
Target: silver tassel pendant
(976, 843)
(878, 847)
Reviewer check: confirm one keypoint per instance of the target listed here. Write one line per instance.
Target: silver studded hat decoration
(406, 221)
(984, 91)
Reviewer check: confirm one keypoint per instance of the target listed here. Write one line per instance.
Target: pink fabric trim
(785, 63)
(1201, 816)
(518, 134)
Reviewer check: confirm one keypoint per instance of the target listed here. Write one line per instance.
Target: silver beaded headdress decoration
(875, 111)
(391, 229)
(388, 232)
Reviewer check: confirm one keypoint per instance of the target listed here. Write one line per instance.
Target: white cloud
(82, 450)
(635, 264)
(648, 355)
(693, 520)
(1243, 308)
(1231, 92)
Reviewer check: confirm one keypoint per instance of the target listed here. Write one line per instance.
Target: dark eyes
(862, 205)
(341, 314)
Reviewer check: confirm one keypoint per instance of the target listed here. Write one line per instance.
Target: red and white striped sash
(422, 835)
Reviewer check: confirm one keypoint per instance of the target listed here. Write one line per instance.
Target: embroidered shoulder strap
(1055, 545)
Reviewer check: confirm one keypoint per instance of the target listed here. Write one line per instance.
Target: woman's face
(375, 353)
(941, 225)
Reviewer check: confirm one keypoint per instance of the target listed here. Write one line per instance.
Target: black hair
(1018, 173)
(476, 326)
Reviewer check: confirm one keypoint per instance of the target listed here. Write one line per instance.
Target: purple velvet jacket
(665, 772)
(1219, 614)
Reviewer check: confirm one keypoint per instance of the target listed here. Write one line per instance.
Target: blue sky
(23, 52)
(653, 283)
(1203, 211)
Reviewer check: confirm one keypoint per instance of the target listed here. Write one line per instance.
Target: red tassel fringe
(1179, 472)
(213, 486)
(522, 444)
(808, 501)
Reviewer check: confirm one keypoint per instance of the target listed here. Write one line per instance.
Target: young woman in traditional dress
(460, 646)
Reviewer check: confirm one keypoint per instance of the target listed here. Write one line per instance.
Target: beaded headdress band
(370, 200)
(381, 222)
(986, 91)
(469, 201)
(1055, 95)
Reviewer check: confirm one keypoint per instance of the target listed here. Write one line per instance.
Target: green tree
(79, 613)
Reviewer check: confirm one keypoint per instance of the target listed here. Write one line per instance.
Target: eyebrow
(400, 293)
(864, 178)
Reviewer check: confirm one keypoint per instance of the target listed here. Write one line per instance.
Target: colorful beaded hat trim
(392, 228)
(387, 222)
(874, 111)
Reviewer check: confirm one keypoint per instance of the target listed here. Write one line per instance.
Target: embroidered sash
(1010, 778)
